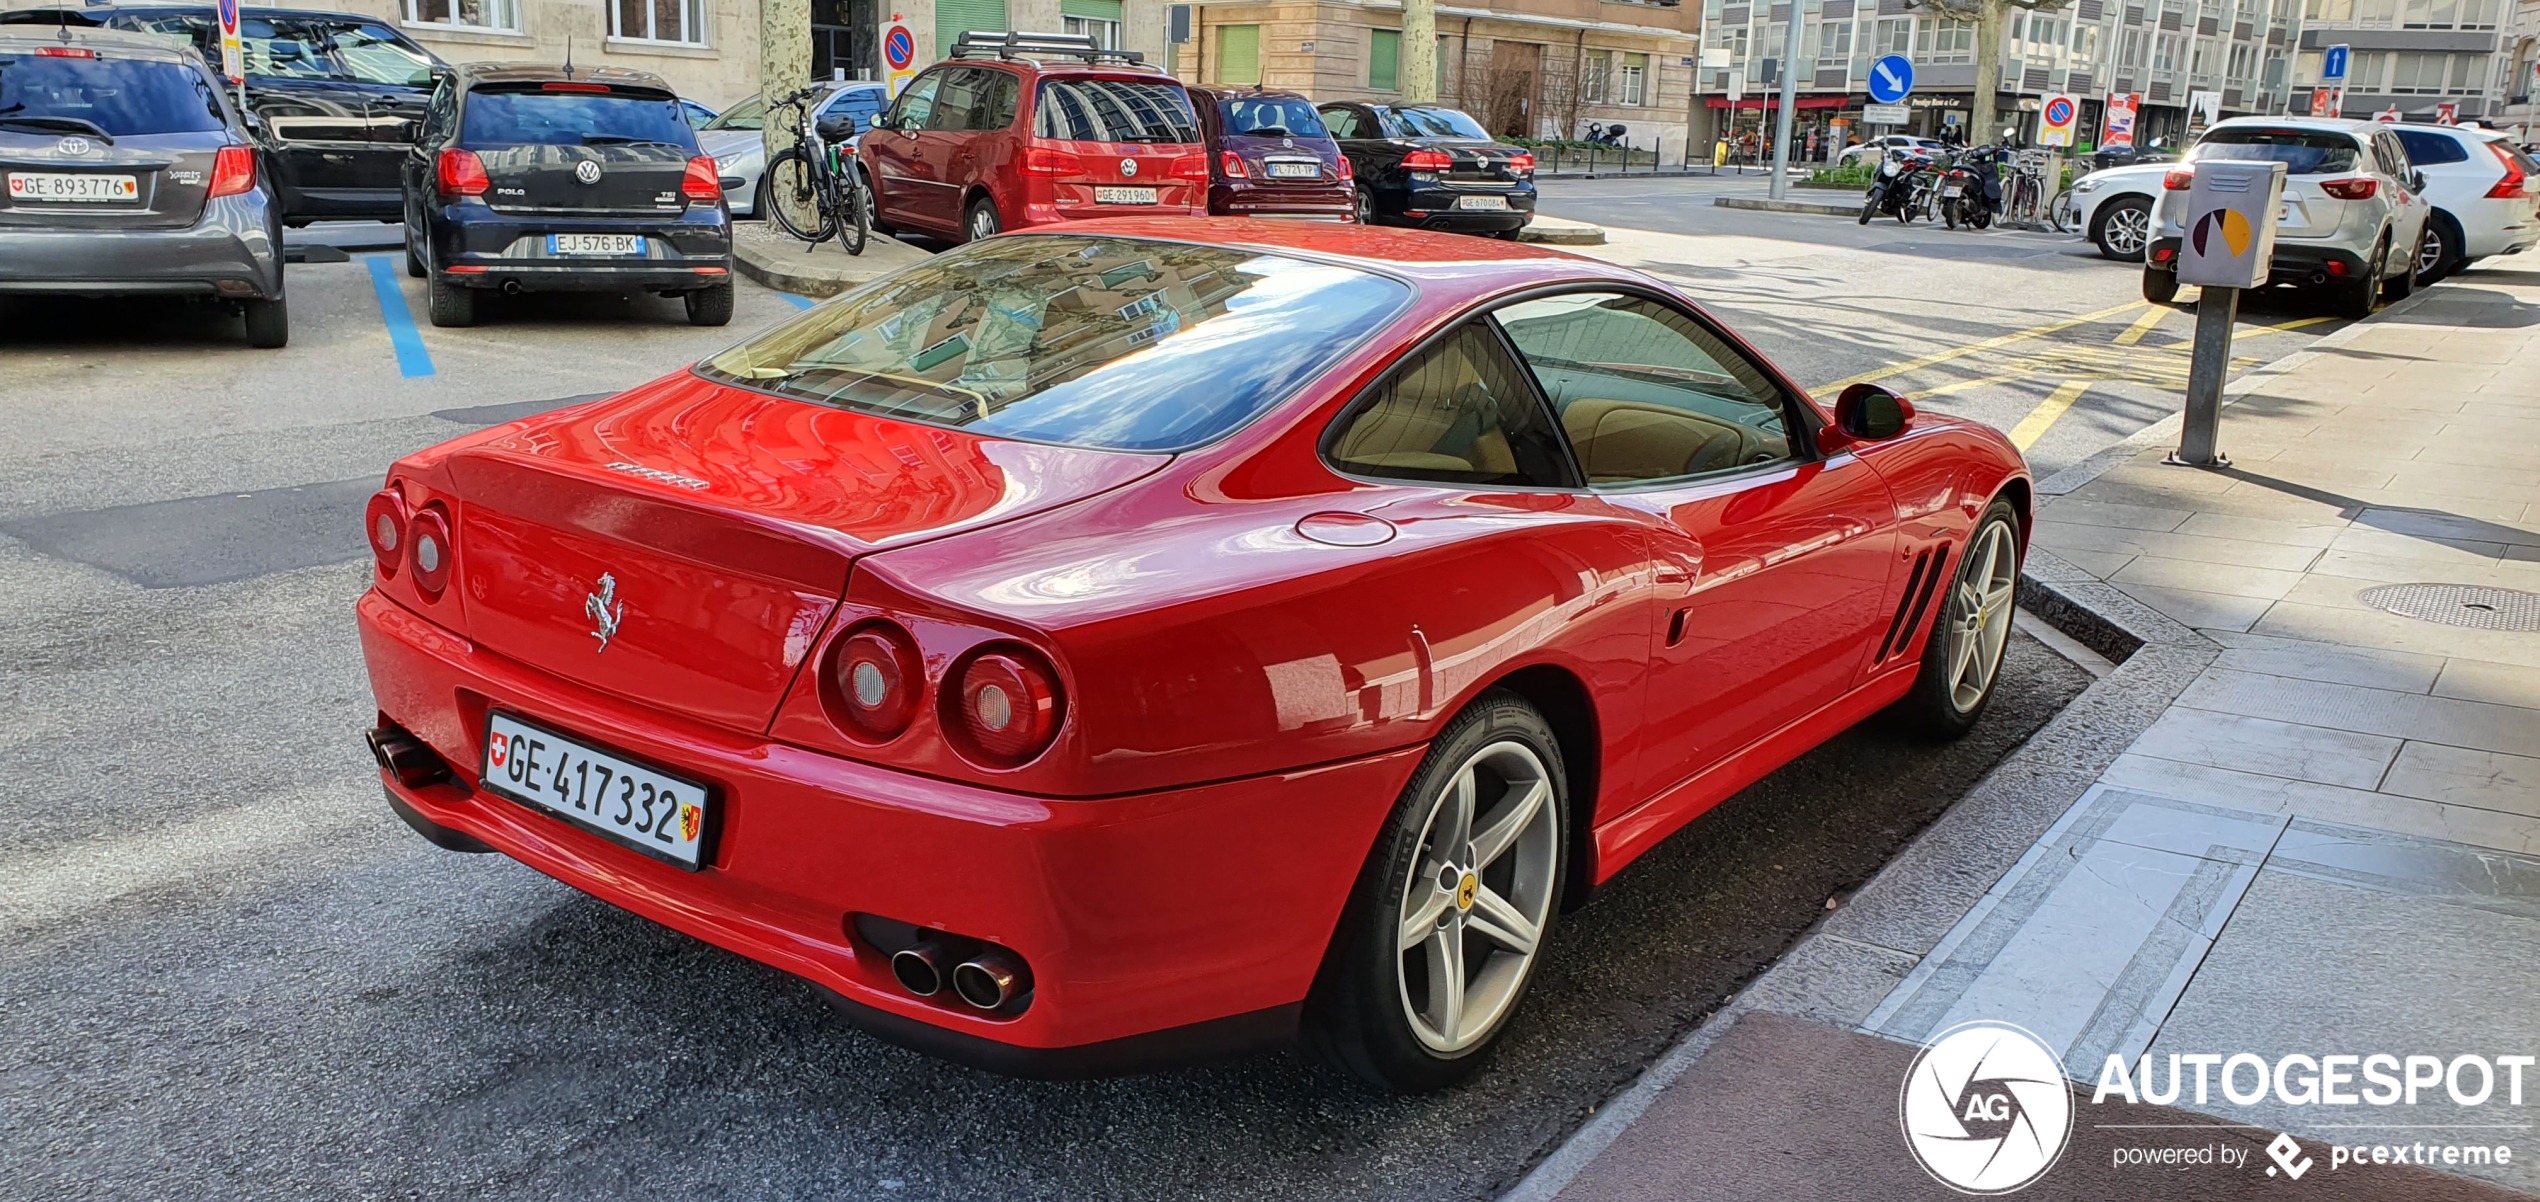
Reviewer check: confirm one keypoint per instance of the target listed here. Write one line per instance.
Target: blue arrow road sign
(1891, 78)
(2333, 63)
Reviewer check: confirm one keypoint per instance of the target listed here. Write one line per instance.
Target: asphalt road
(228, 972)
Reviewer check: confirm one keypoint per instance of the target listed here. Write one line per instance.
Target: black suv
(333, 98)
(541, 179)
(1435, 168)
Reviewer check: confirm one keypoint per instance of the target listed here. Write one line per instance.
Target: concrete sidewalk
(2301, 816)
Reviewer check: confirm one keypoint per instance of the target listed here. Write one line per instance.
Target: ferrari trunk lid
(683, 544)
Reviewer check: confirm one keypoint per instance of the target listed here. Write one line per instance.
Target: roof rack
(1031, 47)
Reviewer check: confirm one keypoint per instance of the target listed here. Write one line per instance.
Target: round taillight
(1007, 706)
(429, 549)
(875, 679)
(384, 520)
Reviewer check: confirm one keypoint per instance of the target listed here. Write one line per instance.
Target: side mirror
(875, 121)
(2416, 179)
(1872, 413)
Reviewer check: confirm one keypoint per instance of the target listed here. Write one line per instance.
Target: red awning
(1774, 102)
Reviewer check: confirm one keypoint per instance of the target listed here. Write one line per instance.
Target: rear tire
(854, 220)
(2160, 287)
(414, 261)
(2439, 255)
(1962, 658)
(1366, 206)
(792, 203)
(1949, 213)
(1511, 861)
(710, 306)
(980, 220)
(2356, 298)
(452, 307)
(268, 323)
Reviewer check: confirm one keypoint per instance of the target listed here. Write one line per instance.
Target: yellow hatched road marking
(2142, 325)
(2034, 426)
(1960, 352)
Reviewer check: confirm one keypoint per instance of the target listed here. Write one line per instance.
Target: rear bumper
(1230, 200)
(1433, 207)
(475, 246)
(2294, 262)
(1158, 927)
(234, 250)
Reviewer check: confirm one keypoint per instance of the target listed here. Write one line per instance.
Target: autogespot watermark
(1986, 1109)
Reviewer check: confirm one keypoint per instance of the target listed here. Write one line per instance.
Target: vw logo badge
(72, 146)
(587, 171)
(1128, 168)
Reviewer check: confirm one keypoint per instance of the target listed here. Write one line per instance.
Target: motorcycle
(1971, 190)
(1892, 190)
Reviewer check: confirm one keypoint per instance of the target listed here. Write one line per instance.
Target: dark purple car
(1269, 156)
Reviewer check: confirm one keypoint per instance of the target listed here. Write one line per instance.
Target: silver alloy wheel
(2429, 252)
(983, 222)
(1473, 904)
(2125, 231)
(1980, 624)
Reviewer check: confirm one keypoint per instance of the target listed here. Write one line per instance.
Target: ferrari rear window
(1104, 342)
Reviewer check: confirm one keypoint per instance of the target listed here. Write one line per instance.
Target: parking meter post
(2200, 439)
(2229, 244)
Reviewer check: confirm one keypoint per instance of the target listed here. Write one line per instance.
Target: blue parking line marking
(412, 359)
(799, 302)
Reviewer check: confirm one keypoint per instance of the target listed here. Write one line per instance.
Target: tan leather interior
(1440, 417)
(1634, 440)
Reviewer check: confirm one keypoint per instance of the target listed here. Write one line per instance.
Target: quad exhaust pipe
(921, 969)
(991, 979)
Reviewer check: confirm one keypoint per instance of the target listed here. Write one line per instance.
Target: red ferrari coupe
(1107, 647)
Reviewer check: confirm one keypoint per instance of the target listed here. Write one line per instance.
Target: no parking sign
(2056, 117)
(233, 66)
(899, 53)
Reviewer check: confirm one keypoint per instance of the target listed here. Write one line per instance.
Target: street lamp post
(1789, 94)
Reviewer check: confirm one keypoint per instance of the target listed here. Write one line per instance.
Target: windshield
(2302, 151)
(117, 97)
(1431, 123)
(574, 119)
(1114, 110)
(749, 114)
(1270, 117)
(311, 48)
(1112, 343)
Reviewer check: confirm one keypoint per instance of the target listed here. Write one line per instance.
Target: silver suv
(2354, 210)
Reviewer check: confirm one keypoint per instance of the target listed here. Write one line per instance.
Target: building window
(1631, 84)
(1384, 59)
(1239, 54)
(1938, 41)
(1596, 70)
(500, 15)
(1105, 34)
(681, 21)
(1895, 35)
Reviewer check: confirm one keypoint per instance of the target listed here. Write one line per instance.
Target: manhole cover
(2458, 605)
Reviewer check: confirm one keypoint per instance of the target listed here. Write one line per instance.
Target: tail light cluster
(233, 171)
(1049, 160)
(1427, 160)
(461, 173)
(1231, 165)
(1191, 167)
(1521, 165)
(703, 183)
(2177, 179)
(2359, 188)
(1347, 172)
(1000, 704)
(415, 542)
(2510, 187)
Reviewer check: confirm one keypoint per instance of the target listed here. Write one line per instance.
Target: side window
(957, 104)
(917, 105)
(1461, 412)
(1342, 122)
(439, 112)
(2424, 148)
(996, 111)
(1643, 391)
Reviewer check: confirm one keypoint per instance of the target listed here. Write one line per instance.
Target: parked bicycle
(814, 188)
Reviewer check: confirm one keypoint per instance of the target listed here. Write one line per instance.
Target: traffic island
(1553, 231)
(1787, 206)
(766, 254)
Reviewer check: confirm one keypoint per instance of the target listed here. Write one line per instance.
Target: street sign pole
(1790, 96)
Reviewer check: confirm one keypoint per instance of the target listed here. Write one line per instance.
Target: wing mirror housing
(1871, 413)
(874, 121)
(2416, 179)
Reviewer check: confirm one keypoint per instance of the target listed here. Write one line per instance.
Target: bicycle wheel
(852, 216)
(793, 198)
(2063, 211)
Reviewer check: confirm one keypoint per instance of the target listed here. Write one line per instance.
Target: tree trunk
(1980, 118)
(1419, 57)
(784, 65)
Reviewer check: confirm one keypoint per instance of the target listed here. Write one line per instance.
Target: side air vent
(1928, 568)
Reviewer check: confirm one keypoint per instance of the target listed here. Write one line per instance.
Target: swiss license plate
(1124, 196)
(1279, 170)
(1481, 202)
(1954, 191)
(74, 188)
(661, 815)
(595, 244)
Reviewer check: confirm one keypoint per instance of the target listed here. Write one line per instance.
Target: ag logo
(2229, 225)
(1985, 1108)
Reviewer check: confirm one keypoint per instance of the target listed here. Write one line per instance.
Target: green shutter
(1238, 53)
(954, 18)
(1091, 10)
(1384, 59)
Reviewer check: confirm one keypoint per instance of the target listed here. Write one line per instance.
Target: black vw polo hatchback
(549, 179)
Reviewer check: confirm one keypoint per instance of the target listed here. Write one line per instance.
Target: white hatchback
(2486, 196)
(2353, 214)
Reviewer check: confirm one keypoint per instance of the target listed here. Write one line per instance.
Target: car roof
(1244, 92)
(1454, 265)
(124, 43)
(475, 74)
(2457, 131)
(2338, 125)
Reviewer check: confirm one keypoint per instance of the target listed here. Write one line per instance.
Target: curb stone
(1841, 969)
(1786, 206)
